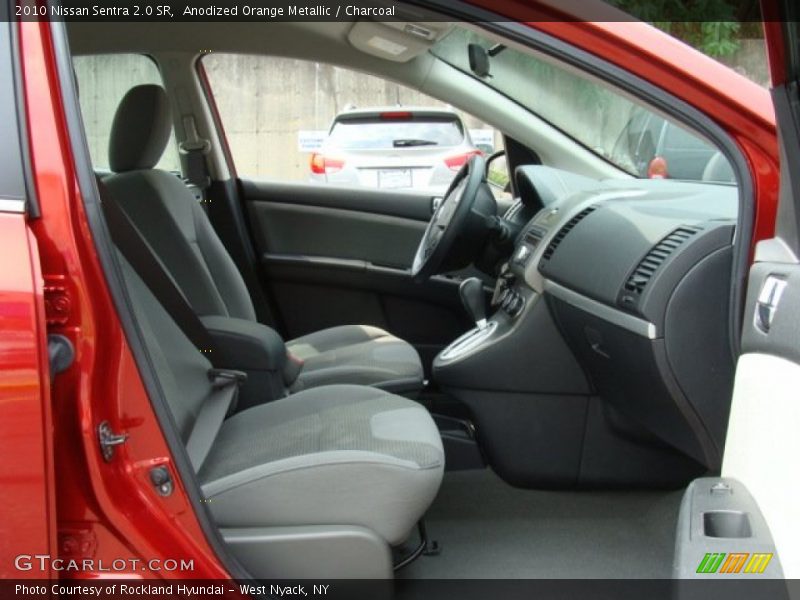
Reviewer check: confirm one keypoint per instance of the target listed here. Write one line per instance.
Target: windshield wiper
(407, 143)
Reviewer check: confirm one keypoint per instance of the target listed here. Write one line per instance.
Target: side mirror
(497, 171)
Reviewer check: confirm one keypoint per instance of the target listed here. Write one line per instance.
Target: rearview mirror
(478, 60)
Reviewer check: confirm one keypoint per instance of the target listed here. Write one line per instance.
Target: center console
(524, 389)
(514, 348)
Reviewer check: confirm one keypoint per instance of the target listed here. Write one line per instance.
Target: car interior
(372, 383)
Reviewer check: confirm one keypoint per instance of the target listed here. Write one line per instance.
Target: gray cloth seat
(340, 454)
(357, 354)
(180, 233)
(333, 455)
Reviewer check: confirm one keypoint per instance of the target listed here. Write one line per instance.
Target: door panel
(763, 443)
(408, 205)
(334, 256)
(292, 229)
(341, 223)
(752, 510)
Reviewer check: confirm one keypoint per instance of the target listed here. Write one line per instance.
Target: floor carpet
(488, 529)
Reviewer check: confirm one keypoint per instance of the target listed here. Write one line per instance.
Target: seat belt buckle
(221, 378)
(291, 371)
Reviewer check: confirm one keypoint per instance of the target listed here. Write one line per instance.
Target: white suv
(394, 148)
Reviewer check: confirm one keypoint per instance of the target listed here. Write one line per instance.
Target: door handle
(768, 300)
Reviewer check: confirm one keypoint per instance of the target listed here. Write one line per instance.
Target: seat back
(166, 212)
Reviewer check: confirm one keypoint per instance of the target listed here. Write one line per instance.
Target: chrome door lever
(767, 302)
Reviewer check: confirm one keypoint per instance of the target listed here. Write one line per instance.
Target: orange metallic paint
(27, 486)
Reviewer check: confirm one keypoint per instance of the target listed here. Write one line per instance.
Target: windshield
(622, 131)
(377, 134)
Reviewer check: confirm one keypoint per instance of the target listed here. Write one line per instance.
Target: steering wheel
(452, 219)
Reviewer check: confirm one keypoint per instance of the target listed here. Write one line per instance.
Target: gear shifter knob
(474, 300)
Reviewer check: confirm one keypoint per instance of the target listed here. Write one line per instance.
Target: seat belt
(225, 382)
(147, 265)
(193, 151)
(212, 413)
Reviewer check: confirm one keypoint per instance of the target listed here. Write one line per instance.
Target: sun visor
(397, 41)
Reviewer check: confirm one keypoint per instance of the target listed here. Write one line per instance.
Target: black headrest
(141, 129)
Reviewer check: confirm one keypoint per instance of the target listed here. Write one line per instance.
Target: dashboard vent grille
(655, 258)
(562, 233)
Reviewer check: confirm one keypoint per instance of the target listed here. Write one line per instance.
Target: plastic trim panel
(612, 315)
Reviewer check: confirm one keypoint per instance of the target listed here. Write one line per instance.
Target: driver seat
(175, 225)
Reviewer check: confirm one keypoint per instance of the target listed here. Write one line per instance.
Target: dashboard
(608, 360)
(636, 274)
(619, 243)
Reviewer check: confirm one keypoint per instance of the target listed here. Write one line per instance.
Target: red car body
(65, 500)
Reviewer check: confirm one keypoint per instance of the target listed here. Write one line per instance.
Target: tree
(712, 26)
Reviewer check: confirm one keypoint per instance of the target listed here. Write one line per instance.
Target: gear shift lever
(474, 300)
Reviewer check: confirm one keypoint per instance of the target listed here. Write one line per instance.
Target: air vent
(655, 258)
(559, 237)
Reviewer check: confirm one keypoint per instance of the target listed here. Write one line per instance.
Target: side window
(676, 137)
(648, 143)
(103, 80)
(295, 120)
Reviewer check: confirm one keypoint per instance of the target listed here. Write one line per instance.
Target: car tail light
(396, 114)
(658, 169)
(454, 163)
(323, 165)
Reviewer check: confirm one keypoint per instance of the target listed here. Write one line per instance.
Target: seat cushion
(333, 455)
(357, 354)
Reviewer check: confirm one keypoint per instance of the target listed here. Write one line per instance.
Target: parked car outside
(659, 149)
(394, 148)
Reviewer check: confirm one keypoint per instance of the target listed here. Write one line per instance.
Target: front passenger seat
(169, 217)
(340, 469)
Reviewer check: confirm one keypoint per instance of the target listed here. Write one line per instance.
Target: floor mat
(488, 529)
